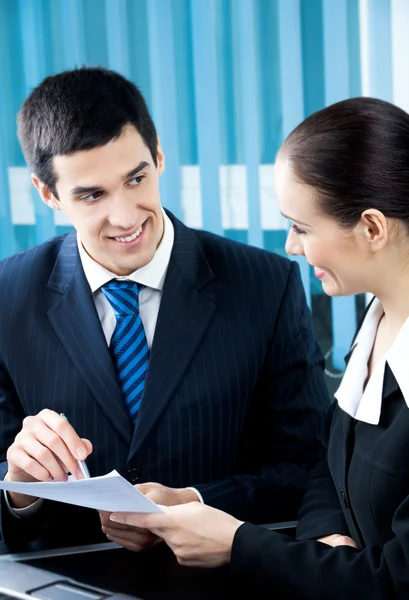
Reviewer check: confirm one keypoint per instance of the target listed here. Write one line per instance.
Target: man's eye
(136, 180)
(92, 197)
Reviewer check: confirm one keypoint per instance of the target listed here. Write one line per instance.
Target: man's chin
(124, 269)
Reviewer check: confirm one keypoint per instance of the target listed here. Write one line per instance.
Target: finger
(106, 522)
(66, 432)
(24, 438)
(329, 539)
(134, 519)
(145, 488)
(51, 440)
(155, 492)
(104, 517)
(124, 543)
(119, 527)
(36, 460)
(88, 445)
(134, 545)
(63, 467)
(156, 495)
(142, 520)
(162, 519)
(344, 541)
(143, 537)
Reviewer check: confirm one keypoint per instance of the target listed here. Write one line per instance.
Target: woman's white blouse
(365, 404)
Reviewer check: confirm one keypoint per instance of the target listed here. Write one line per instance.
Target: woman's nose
(293, 245)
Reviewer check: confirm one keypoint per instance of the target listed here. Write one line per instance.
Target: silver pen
(81, 463)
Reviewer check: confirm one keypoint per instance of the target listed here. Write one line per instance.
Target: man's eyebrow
(296, 220)
(79, 189)
(142, 165)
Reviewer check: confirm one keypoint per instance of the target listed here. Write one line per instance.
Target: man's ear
(160, 157)
(45, 193)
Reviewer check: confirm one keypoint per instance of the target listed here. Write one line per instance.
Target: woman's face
(337, 254)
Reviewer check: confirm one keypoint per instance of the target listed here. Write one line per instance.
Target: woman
(342, 178)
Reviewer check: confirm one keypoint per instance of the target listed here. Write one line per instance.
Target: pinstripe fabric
(128, 344)
(234, 395)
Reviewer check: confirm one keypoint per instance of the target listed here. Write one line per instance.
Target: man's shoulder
(30, 264)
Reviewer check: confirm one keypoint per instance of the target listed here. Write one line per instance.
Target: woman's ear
(374, 228)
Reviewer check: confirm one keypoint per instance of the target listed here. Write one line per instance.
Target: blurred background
(226, 81)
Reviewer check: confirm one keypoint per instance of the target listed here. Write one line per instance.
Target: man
(182, 359)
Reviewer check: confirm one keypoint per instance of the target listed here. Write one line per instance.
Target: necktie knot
(123, 296)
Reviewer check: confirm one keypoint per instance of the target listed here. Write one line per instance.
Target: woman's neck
(392, 290)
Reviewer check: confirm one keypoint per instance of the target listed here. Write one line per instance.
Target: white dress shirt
(364, 403)
(152, 276)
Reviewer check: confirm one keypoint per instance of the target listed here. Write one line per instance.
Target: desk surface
(150, 575)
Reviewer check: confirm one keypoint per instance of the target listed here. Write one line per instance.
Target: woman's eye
(297, 230)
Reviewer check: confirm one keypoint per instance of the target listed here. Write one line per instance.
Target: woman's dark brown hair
(355, 155)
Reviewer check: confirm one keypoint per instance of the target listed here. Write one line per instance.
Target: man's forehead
(117, 159)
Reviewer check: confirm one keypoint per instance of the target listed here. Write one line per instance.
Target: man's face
(111, 196)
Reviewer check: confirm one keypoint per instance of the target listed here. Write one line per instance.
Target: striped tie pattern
(128, 346)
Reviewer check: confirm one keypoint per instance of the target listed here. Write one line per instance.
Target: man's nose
(122, 213)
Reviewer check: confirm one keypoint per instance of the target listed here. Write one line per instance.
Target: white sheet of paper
(109, 492)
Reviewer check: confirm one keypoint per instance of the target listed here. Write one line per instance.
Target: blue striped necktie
(128, 346)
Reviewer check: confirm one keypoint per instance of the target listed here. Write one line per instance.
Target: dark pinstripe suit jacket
(234, 397)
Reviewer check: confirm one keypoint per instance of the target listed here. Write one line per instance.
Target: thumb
(143, 488)
(154, 495)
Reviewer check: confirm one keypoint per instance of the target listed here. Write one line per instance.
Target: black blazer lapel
(348, 356)
(72, 313)
(184, 315)
(390, 385)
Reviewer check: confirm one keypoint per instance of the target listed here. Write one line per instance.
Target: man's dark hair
(355, 156)
(79, 110)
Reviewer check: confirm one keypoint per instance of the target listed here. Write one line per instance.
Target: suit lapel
(390, 385)
(348, 356)
(184, 315)
(72, 313)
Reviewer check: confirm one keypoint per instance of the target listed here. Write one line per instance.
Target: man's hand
(337, 540)
(46, 448)
(137, 538)
(167, 496)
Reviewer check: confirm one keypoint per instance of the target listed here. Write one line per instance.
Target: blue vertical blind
(226, 81)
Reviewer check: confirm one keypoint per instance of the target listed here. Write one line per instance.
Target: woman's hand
(337, 539)
(138, 539)
(199, 535)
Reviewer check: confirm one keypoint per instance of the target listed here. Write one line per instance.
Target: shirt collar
(151, 275)
(366, 405)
